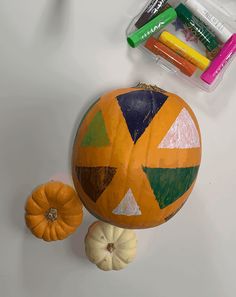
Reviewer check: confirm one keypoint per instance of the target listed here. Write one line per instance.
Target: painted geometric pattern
(128, 206)
(183, 133)
(94, 180)
(169, 184)
(96, 134)
(86, 113)
(139, 108)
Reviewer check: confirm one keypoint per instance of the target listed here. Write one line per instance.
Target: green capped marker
(197, 27)
(155, 25)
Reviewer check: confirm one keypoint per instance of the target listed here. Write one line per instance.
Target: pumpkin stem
(110, 247)
(51, 214)
(150, 87)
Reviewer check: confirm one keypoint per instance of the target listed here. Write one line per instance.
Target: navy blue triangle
(139, 108)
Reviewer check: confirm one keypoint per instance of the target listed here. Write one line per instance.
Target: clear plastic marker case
(223, 11)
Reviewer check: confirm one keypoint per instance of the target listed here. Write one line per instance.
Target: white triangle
(183, 133)
(128, 206)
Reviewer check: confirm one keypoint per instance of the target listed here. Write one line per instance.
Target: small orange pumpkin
(53, 211)
(136, 156)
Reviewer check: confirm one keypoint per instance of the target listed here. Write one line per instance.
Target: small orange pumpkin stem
(150, 87)
(51, 214)
(111, 247)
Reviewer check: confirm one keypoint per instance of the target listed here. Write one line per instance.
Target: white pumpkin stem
(111, 247)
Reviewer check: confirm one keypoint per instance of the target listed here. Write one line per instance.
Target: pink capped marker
(220, 61)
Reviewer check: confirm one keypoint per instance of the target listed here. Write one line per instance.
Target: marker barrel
(184, 50)
(155, 25)
(214, 24)
(220, 61)
(197, 27)
(150, 12)
(163, 51)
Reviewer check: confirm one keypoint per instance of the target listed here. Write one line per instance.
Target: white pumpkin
(110, 247)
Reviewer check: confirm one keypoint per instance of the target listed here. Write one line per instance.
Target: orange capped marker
(160, 49)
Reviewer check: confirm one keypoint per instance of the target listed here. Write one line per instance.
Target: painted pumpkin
(110, 247)
(136, 156)
(53, 211)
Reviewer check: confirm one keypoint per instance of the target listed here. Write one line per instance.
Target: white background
(56, 57)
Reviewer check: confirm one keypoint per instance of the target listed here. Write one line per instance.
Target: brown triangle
(94, 180)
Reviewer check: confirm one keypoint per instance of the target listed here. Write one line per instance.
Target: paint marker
(220, 61)
(150, 12)
(155, 25)
(160, 49)
(216, 26)
(184, 50)
(197, 27)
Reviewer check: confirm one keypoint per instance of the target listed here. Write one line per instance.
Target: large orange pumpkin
(136, 156)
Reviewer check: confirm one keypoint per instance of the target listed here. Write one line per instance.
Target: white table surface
(52, 66)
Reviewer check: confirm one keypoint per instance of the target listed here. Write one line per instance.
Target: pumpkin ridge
(124, 242)
(90, 240)
(118, 238)
(104, 233)
(62, 234)
(65, 220)
(32, 228)
(63, 213)
(120, 258)
(39, 229)
(33, 215)
(148, 144)
(36, 206)
(126, 248)
(57, 234)
(32, 196)
(48, 192)
(99, 262)
(62, 186)
(94, 238)
(63, 205)
(66, 213)
(53, 233)
(46, 227)
(112, 144)
(44, 194)
(127, 171)
(68, 226)
(130, 154)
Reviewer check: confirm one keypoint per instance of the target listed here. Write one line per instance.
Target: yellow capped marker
(184, 50)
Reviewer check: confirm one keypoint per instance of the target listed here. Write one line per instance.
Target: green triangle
(96, 134)
(86, 113)
(169, 184)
